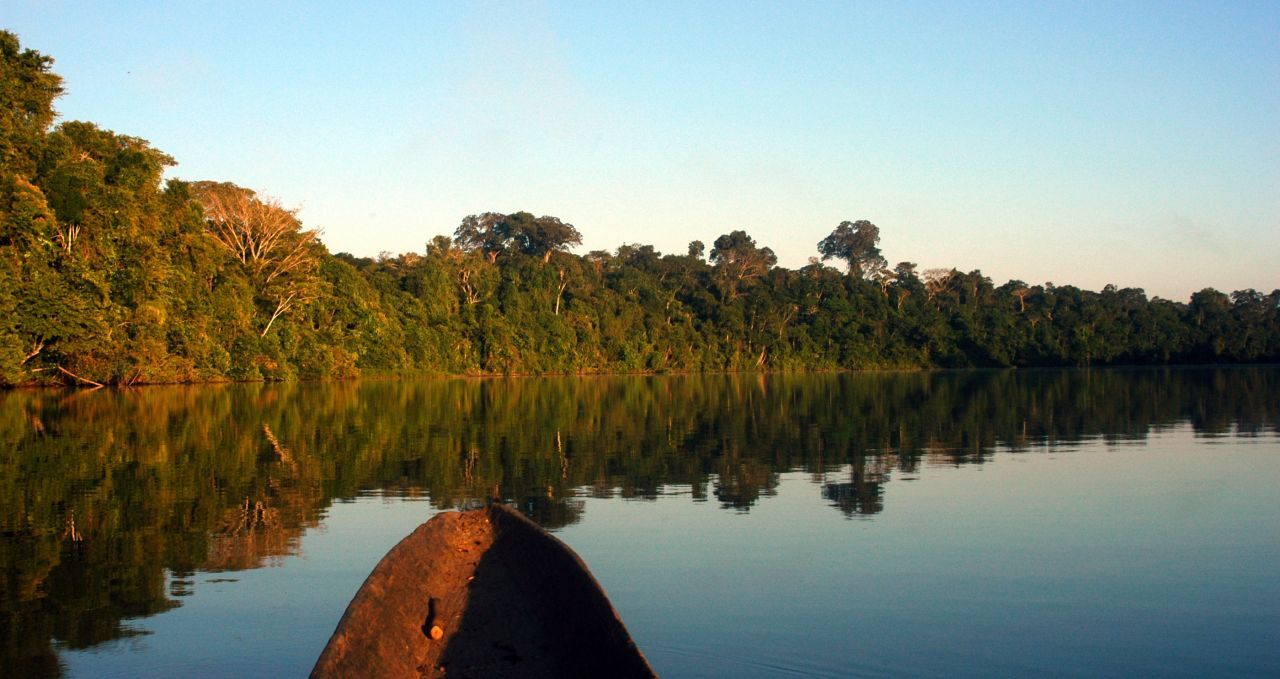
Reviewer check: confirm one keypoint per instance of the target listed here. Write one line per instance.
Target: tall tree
(281, 257)
(493, 234)
(539, 236)
(855, 243)
(268, 239)
(27, 90)
(484, 232)
(738, 260)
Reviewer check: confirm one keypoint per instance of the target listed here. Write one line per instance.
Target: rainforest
(111, 273)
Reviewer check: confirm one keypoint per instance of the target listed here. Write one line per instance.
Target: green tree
(739, 261)
(484, 233)
(494, 234)
(539, 236)
(855, 243)
(28, 88)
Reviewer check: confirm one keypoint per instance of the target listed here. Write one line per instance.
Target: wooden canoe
(482, 593)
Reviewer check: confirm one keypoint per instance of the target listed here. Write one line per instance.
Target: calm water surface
(1096, 523)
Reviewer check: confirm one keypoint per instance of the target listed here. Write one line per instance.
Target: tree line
(110, 274)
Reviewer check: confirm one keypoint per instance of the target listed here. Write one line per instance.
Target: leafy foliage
(855, 243)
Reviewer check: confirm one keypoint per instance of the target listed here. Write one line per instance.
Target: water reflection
(111, 501)
(863, 493)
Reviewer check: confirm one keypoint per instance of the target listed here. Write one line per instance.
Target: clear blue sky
(1083, 142)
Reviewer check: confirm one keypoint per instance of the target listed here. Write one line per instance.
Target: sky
(1082, 143)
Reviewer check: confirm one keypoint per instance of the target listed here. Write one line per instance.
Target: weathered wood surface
(505, 598)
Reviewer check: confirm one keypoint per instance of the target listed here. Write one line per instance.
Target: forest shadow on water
(111, 500)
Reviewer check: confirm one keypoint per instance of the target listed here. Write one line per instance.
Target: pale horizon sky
(1134, 143)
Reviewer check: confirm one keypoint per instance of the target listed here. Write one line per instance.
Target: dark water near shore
(1111, 523)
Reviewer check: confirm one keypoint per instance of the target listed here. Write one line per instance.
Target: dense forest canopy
(111, 274)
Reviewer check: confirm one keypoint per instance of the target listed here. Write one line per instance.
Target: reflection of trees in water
(101, 494)
(247, 536)
(863, 493)
(552, 511)
(180, 480)
(741, 483)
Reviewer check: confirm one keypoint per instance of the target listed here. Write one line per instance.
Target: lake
(1076, 522)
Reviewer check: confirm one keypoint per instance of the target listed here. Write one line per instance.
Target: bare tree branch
(268, 240)
(96, 385)
(38, 347)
